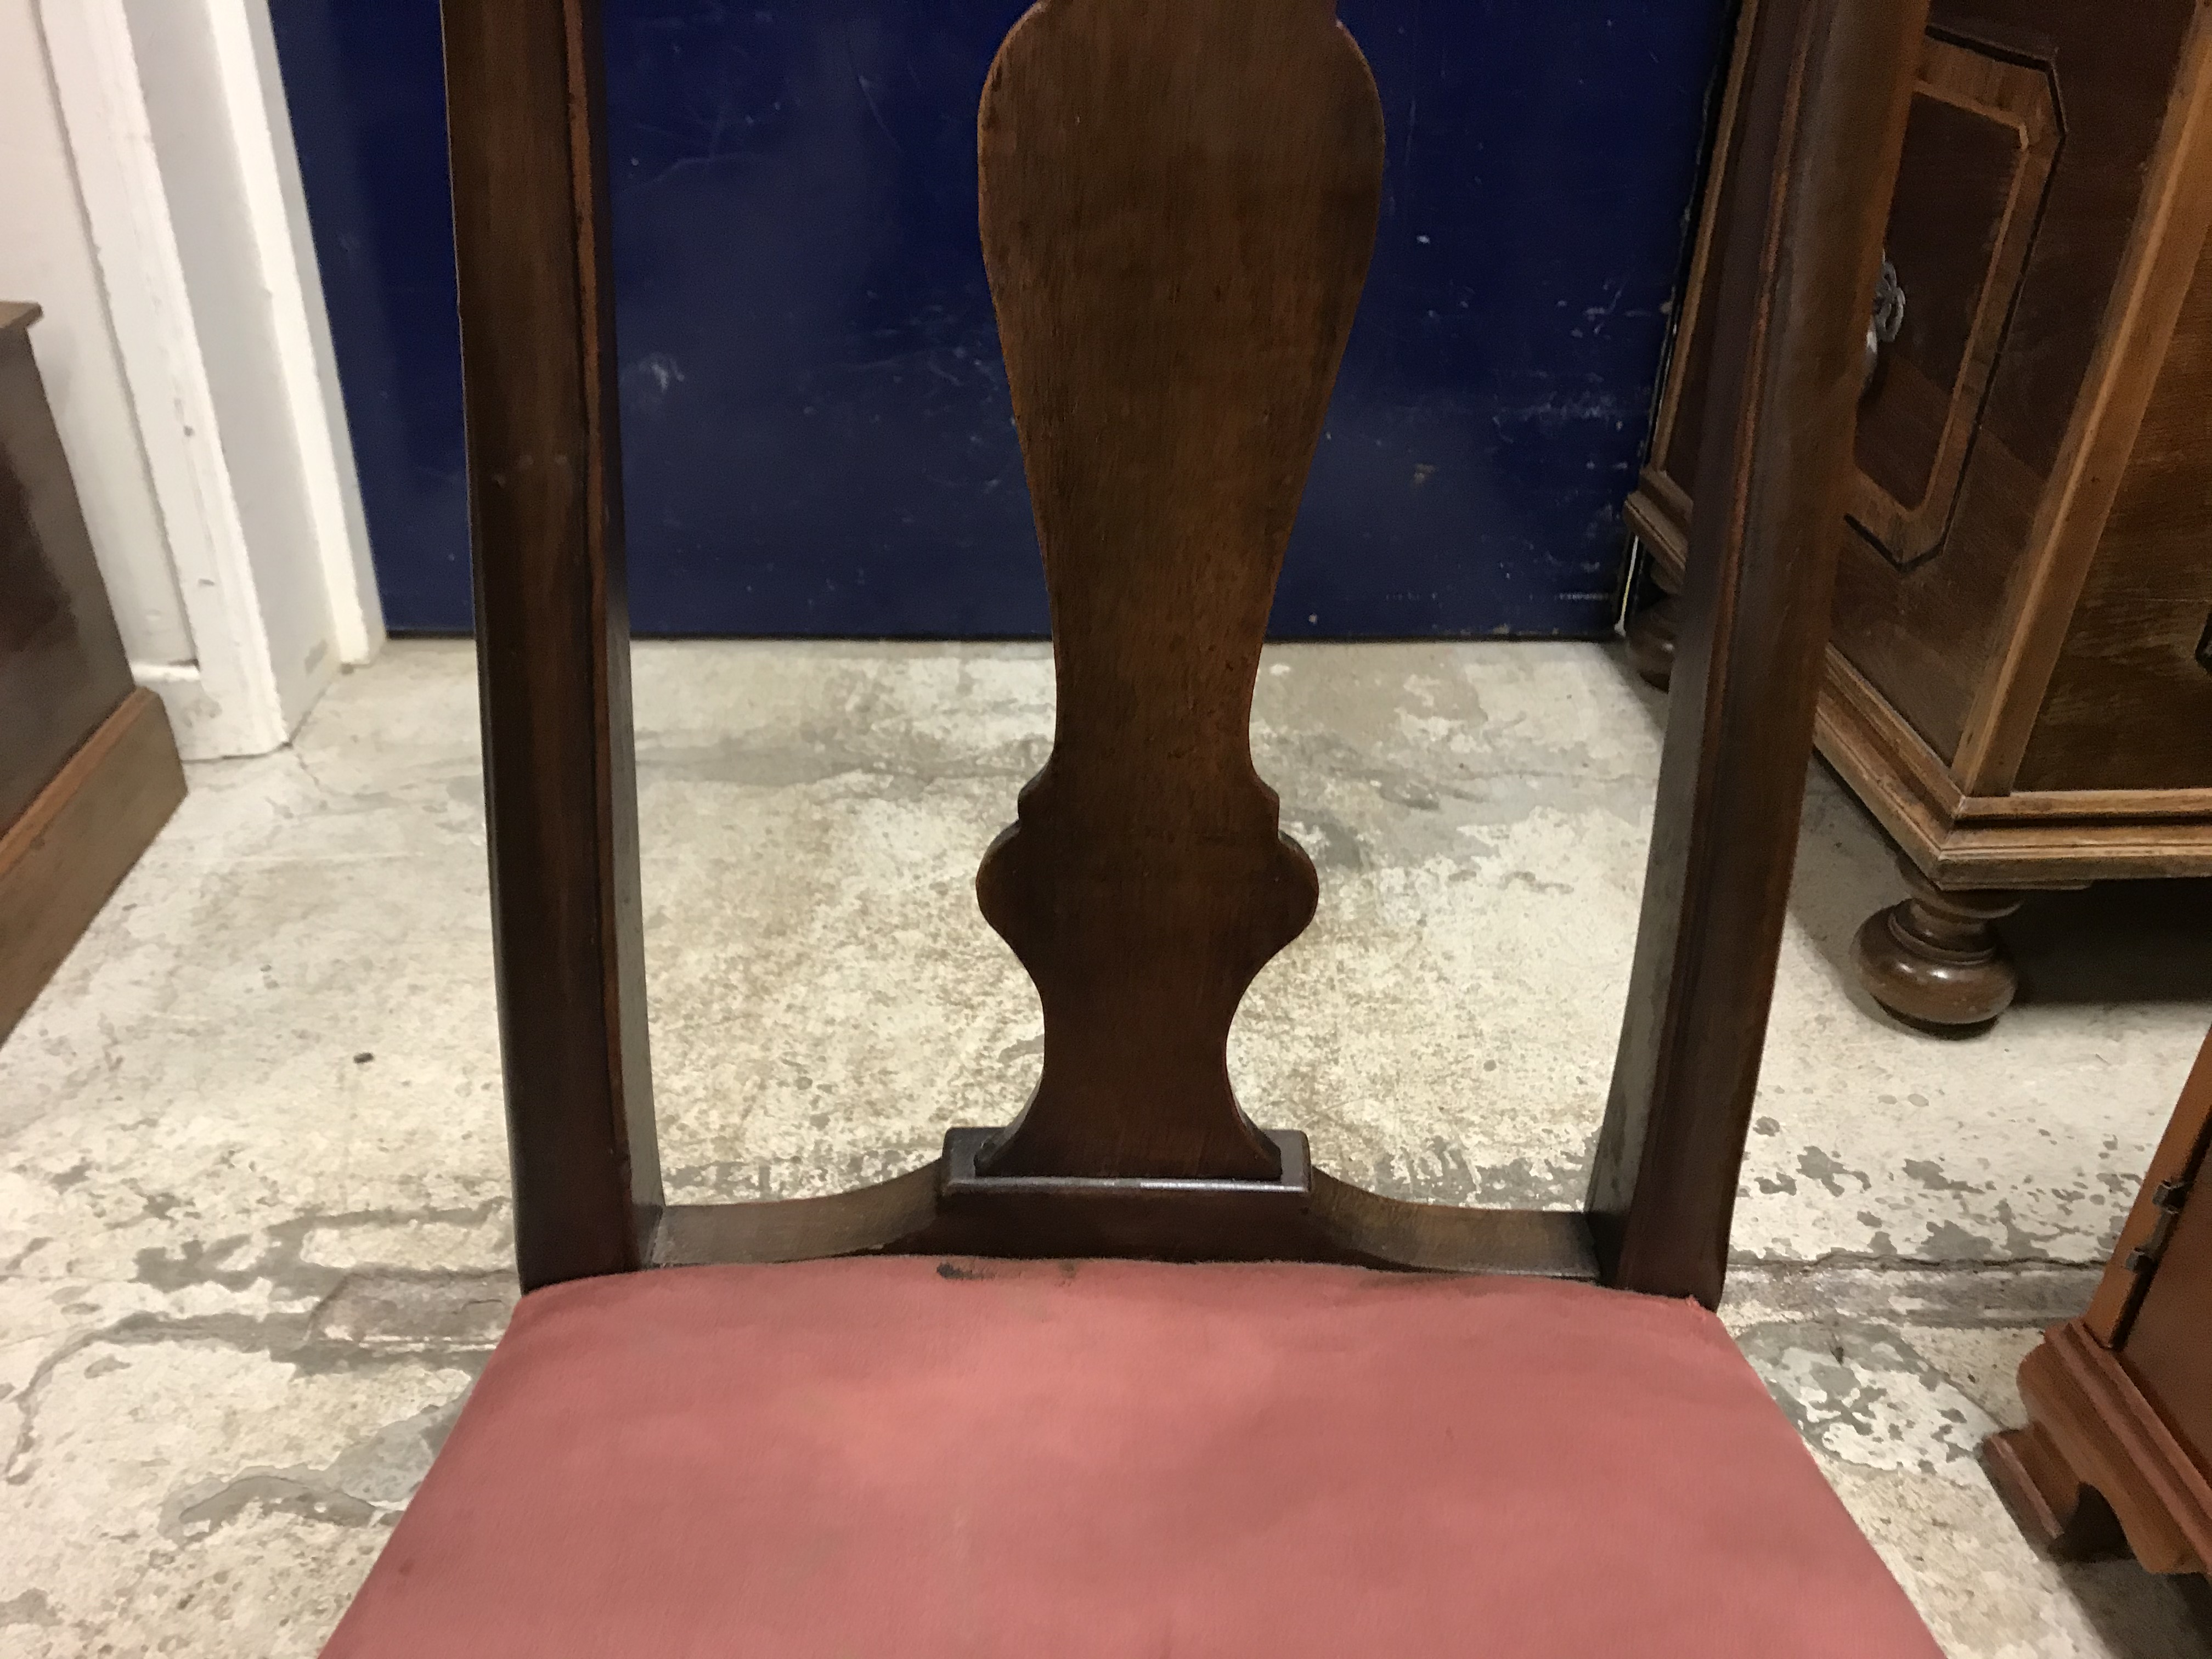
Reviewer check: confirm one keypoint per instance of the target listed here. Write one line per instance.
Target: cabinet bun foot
(1935, 960)
(1652, 634)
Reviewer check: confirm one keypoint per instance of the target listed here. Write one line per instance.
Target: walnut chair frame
(1145, 881)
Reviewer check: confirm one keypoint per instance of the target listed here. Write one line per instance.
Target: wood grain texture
(1824, 117)
(2156, 262)
(1660, 508)
(2063, 853)
(2020, 708)
(2119, 1401)
(889, 1216)
(1217, 1221)
(1978, 149)
(1658, 515)
(1178, 202)
(2082, 805)
(538, 371)
(2062, 1515)
(2096, 1429)
(1373, 1231)
(1935, 960)
(2167, 1342)
(1934, 639)
(2179, 1156)
(62, 665)
(2139, 627)
(2049, 839)
(64, 854)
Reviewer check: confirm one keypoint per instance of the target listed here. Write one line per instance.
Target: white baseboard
(204, 729)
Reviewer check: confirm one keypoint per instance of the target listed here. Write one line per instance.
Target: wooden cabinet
(2119, 1444)
(2019, 679)
(88, 769)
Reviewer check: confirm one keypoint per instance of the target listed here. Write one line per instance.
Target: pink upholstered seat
(926, 1459)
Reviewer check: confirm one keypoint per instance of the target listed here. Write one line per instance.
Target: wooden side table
(2118, 1444)
(88, 768)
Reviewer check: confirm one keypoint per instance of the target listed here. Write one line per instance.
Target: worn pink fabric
(924, 1460)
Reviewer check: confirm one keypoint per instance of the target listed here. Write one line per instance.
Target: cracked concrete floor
(253, 1241)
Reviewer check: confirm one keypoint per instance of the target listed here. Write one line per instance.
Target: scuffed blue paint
(817, 438)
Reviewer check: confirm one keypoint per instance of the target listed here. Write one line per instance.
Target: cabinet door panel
(1923, 594)
(1978, 150)
(2034, 129)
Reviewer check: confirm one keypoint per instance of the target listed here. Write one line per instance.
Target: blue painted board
(816, 433)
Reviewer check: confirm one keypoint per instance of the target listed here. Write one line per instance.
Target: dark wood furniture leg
(1653, 633)
(1936, 959)
(1798, 265)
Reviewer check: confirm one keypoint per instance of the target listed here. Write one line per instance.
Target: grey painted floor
(253, 1230)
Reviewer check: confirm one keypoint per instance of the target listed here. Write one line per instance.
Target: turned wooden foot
(1934, 960)
(1652, 635)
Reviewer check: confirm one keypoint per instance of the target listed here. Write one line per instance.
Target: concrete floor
(252, 1213)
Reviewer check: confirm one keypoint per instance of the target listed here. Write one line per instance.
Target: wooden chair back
(1178, 201)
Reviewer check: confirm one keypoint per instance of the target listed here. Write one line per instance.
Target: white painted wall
(47, 255)
(277, 206)
(173, 132)
(220, 257)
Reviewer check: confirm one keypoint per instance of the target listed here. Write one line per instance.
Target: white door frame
(184, 163)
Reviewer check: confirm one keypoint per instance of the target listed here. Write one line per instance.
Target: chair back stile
(1830, 86)
(532, 245)
(1179, 199)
